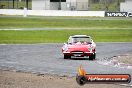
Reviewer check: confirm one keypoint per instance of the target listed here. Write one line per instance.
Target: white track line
(59, 28)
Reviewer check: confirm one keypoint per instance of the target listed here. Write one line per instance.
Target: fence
(90, 5)
(15, 4)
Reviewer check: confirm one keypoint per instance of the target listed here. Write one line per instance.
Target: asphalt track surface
(47, 58)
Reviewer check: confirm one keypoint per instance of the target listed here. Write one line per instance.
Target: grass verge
(60, 36)
(58, 22)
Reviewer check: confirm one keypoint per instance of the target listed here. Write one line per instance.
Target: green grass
(60, 36)
(104, 34)
(43, 22)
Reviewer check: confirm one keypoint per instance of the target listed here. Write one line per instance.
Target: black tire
(92, 57)
(67, 57)
(81, 80)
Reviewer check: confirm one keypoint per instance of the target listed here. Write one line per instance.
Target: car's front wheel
(67, 57)
(92, 57)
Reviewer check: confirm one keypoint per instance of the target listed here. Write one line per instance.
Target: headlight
(90, 49)
(65, 48)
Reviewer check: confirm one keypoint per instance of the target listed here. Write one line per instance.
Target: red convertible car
(79, 46)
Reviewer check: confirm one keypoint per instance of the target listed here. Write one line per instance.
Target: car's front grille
(77, 53)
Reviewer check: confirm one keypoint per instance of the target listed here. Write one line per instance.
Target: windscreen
(82, 39)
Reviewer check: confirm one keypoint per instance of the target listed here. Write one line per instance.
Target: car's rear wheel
(67, 57)
(92, 57)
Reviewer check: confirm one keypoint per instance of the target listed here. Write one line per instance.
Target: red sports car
(79, 46)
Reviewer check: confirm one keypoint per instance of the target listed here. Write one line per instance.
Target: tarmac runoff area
(48, 59)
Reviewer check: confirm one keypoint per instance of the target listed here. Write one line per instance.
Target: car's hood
(79, 47)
